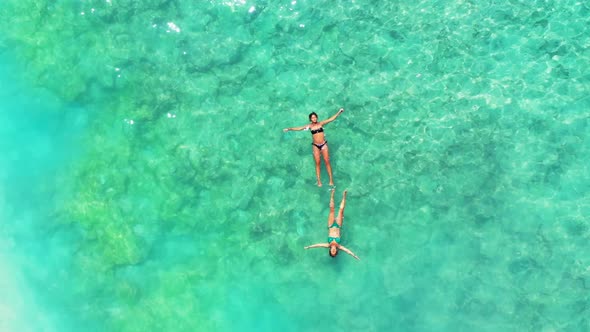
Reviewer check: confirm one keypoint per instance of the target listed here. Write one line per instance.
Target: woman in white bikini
(334, 228)
(319, 143)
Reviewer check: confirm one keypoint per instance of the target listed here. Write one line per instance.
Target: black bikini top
(319, 130)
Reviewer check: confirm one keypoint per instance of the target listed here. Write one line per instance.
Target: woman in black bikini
(319, 143)
(334, 228)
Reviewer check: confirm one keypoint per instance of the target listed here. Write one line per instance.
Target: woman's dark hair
(312, 113)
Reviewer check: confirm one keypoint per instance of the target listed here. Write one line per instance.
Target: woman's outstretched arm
(319, 245)
(296, 128)
(346, 250)
(340, 111)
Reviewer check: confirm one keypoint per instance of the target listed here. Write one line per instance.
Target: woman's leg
(316, 157)
(331, 215)
(326, 155)
(340, 218)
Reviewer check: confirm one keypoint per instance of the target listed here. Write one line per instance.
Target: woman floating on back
(319, 143)
(334, 229)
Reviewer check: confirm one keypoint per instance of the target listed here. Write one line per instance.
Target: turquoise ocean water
(146, 183)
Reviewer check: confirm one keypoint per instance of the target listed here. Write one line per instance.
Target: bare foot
(331, 184)
(319, 183)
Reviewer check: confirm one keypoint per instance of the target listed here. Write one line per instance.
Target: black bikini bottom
(320, 146)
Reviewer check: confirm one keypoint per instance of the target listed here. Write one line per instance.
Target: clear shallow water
(36, 133)
(161, 193)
